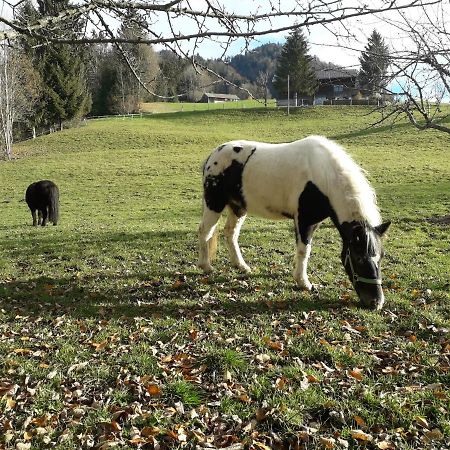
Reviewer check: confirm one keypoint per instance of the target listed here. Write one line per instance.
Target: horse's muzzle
(371, 296)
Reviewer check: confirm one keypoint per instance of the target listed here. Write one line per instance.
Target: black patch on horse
(313, 207)
(237, 148)
(226, 189)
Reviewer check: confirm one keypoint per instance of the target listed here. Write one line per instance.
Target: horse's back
(271, 176)
(40, 192)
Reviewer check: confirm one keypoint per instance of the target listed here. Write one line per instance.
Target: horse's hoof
(207, 268)
(305, 286)
(244, 268)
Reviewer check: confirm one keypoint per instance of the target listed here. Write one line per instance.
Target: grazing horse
(43, 196)
(307, 181)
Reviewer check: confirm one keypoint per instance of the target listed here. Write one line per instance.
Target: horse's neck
(354, 203)
(346, 210)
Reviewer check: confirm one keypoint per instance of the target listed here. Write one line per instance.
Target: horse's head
(361, 256)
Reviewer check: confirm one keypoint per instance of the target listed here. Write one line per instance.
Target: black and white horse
(43, 196)
(307, 181)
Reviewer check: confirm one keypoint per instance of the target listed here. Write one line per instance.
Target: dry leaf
(280, 383)
(260, 445)
(274, 345)
(360, 421)
(153, 389)
(356, 374)
(10, 403)
(262, 358)
(22, 351)
(386, 445)
(421, 421)
(434, 435)
(327, 442)
(261, 414)
(193, 334)
(99, 346)
(360, 435)
(312, 379)
(244, 398)
(52, 374)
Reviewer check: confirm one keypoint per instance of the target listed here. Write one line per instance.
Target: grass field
(164, 107)
(110, 336)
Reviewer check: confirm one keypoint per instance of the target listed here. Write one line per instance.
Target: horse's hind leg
(39, 217)
(304, 239)
(207, 238)
(44, 213)
(33, 215)
(232, 228)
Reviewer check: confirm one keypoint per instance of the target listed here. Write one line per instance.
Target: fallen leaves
(360, 435)
(356, 374)
(243, 384)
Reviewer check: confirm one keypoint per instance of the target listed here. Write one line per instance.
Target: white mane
(359, 199)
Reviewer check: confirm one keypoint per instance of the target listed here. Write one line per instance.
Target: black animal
(43, 196)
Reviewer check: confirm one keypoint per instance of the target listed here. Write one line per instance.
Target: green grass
(166, 107)
(109, 333)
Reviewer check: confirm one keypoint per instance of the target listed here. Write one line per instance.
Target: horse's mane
(360, 197)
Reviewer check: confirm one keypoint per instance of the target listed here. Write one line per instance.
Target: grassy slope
(114, 285)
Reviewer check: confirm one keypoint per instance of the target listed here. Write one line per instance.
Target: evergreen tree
(65, 93)
(62, 68)
(295, 62)
(374, 62)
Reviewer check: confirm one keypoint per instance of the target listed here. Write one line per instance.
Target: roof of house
(329, 74)
(215, 95)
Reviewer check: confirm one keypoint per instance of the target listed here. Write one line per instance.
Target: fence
(352, 102)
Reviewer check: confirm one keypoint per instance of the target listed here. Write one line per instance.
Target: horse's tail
(53, 207)
(212, 244)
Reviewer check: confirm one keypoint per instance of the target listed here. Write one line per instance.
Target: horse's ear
(381, 229)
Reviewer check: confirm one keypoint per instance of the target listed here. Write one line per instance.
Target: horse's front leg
(304, 240)
(301, 264)
(231, 231)
(207, 238)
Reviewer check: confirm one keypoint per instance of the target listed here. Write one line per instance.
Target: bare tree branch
(224, 24)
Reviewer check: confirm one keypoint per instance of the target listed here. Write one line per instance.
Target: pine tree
(374, 62)
(62, 68)
(295, 62)
(65, 93)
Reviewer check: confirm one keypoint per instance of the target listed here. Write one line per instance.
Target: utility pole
(289, 100)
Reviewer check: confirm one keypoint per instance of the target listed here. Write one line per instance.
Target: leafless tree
(263, 81)
(19, 87)
(420, 72)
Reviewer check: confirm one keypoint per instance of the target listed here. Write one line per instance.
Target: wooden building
(218, 98)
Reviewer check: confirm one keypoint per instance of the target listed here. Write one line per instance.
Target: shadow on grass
(158, 294)
(372, 130)
(130, 274)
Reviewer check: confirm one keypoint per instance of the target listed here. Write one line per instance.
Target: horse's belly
(271, 206)
(271, 186)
